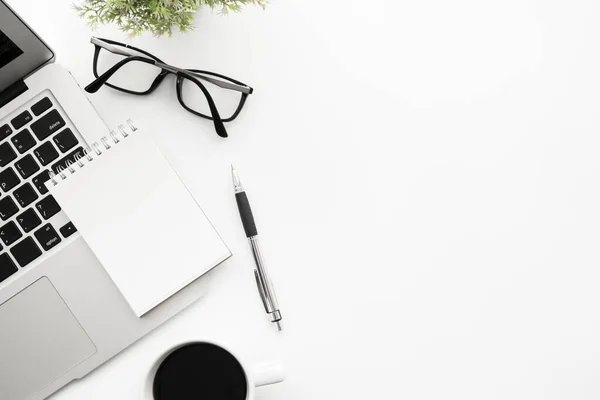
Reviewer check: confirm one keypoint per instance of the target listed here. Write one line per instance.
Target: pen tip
(279, 326)
(236, 180)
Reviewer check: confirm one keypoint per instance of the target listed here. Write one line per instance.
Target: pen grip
(246, 214)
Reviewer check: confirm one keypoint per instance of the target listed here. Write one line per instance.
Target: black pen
(265, 287)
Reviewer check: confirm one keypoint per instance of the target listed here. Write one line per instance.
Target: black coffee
(200, 371)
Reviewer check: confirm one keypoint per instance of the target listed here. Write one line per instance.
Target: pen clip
(261, 289)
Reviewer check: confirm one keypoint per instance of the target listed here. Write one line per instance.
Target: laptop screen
(8, 50)
(21, 51)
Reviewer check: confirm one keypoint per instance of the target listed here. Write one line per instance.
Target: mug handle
(268, 373)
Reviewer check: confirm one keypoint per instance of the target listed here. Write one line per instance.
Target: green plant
(156, 16)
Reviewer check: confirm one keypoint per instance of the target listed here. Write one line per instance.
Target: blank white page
(141, 222)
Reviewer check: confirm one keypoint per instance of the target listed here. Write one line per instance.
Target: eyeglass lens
(135, 76)
(226, 100)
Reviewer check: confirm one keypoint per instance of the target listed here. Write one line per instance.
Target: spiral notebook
(138, 217)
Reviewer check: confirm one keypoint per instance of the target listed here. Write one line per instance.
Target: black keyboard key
(71, 157)
(65, 140)
(21, 120)
(7, 154)
(27, 166)
(47, 125)
(29, 220)
(68, 229)
(39, 180)
(41, 106)
(8, 179)
(46, 153)
(10, 233)
(25, 251)
(25, 195)
(8, 208)
(47, 237)
(23, 141)
(5, 131)
(47, 207)
(7, 267)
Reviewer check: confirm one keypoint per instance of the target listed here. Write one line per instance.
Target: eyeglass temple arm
(218, 82)
(223, 84)
(122, 50)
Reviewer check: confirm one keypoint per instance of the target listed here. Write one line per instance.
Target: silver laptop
(61, 316)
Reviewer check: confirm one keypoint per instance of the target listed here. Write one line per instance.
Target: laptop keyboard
(32, 143)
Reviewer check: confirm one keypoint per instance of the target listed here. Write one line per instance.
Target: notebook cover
(141, 221)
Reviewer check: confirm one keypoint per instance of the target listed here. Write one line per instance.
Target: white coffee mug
(259, 375)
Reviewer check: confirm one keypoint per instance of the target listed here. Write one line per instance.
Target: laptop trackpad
(40, 340)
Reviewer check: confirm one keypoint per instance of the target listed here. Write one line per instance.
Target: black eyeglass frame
(193, 75)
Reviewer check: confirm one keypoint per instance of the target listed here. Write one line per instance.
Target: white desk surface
(424, 175)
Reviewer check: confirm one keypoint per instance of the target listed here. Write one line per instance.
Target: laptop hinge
(12, 92)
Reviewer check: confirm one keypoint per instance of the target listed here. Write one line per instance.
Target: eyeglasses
(135, 71)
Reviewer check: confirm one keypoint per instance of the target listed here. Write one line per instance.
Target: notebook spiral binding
(96, 150)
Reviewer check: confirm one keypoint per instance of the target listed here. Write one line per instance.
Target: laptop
(61, 316)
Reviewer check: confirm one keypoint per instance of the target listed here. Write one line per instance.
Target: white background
(425, 179)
